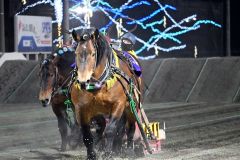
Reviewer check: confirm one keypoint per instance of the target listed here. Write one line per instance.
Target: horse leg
(130, 135)
(62, 125)
(109, 134)
(100, 126)
(88, 141)
(118, 140)
(111, 129)
(84, 121)
(75, 137)
(99, 122)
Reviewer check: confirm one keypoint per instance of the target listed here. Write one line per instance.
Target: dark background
(210, 40)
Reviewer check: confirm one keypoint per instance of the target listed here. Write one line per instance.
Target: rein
(59, 89)
(63, 89)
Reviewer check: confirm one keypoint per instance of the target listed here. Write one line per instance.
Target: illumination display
(164, 28)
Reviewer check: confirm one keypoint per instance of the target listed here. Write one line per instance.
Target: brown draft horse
(92, 96)
(54, 78)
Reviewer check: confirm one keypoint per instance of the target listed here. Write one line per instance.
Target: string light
(118, 27)
(195, 52)
(155, 13)
(58, 7)
(164, 22)
(35, 4)
(156, 50)
(24, 2)
(172, 28)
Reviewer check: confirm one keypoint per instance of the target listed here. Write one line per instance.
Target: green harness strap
(64, 91)
(90, 87)
(69, 111)
(132, 102)
(134, 111)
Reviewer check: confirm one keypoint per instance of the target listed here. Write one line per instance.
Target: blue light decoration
(170, 32)
(34, 5)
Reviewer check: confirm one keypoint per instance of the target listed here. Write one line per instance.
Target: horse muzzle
(45, 102)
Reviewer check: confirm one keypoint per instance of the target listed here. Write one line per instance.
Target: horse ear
(55, 61)
(96, 33)
(40, 57)
(75, 36)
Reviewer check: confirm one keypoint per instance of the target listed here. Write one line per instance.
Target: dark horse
(103, 86)
(55, 75)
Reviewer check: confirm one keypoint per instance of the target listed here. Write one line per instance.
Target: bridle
(58, 87)
(96, 83)
(84, 38)
(42, 66)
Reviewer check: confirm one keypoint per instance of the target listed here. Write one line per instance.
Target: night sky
(209, 40)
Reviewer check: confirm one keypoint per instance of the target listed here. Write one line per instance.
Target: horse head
(47, 77)
(55, 73)
(89, 53)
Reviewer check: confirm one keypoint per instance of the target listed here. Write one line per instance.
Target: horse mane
(44, 64)
(103, 48)
(65, 60)
(69, 58)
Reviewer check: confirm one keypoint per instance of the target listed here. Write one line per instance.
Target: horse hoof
(73, 144)
(139, 151)
(107, 156)
(92, 157)
(100, 146)
(63, 148)
(129, 153)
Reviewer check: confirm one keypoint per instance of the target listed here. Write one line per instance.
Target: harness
(63, 89)
(111, 72)
(109, 76)
(57, 88)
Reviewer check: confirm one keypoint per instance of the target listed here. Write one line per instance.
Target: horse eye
(93, 54)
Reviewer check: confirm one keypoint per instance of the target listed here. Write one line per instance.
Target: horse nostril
(44, 104)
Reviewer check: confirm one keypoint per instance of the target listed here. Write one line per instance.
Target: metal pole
(228, 28)
(2, 35)
(65, 21)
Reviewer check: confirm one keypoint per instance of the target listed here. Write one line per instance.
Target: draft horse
(102, 86)
(55, 75)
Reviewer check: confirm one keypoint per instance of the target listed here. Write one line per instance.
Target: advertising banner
(33, 34)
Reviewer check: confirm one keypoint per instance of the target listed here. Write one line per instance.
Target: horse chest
(88, 98)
